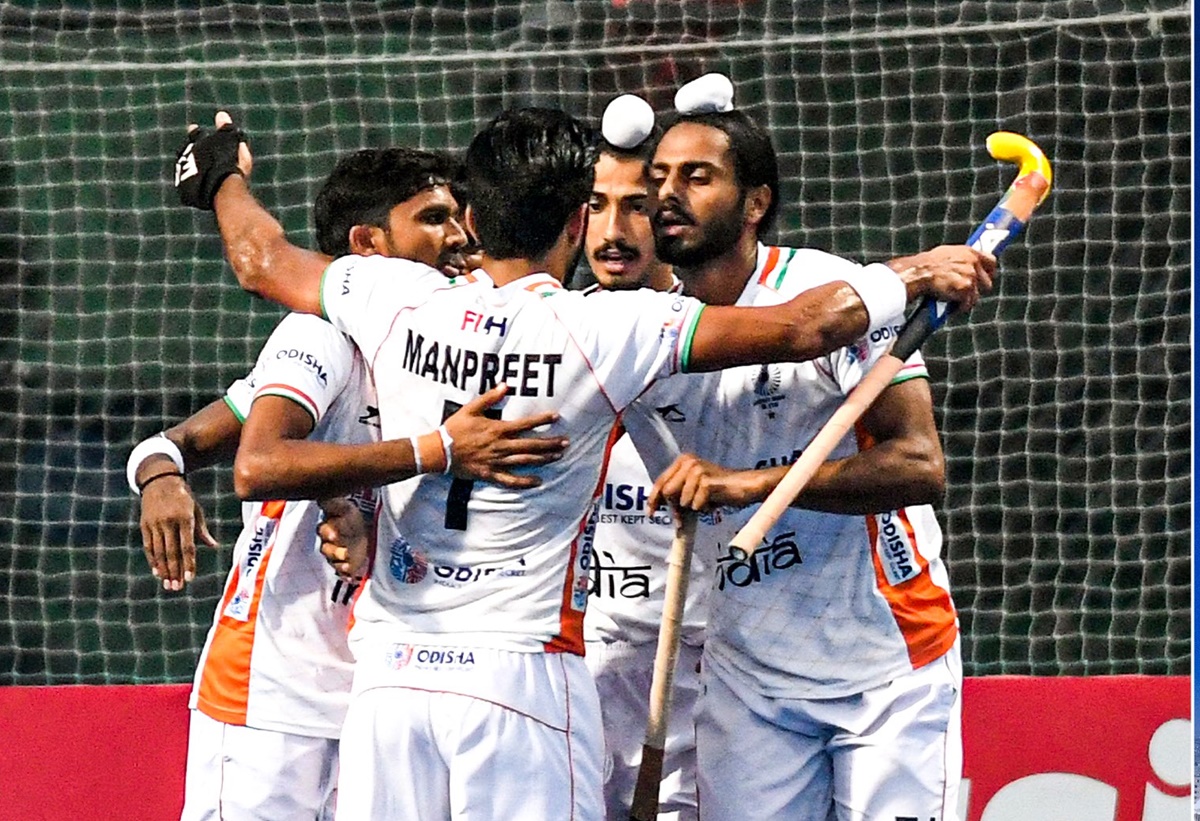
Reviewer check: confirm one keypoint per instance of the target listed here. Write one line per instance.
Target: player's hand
(205, 160)
(949, 273)
(172, 522)
(691, 483)
(344, 541)
(489, 449)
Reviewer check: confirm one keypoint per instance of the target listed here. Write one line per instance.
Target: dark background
(1064, 402)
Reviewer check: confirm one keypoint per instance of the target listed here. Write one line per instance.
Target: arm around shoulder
(265, 261)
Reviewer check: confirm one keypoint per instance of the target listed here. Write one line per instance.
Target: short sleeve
(630, 338)
(850, 364)
(878, 287)
(654, 441)
(305, 359)
(362, 296)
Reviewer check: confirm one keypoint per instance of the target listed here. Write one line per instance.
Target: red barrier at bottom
(1108, 748)
(92, 753)
(1104, 748)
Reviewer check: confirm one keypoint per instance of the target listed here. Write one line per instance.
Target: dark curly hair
(527, 171)
(365, 186)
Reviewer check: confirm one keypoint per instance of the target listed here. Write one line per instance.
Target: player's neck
(504, 271)
(556, 262)
(721, 280)
(661, 278)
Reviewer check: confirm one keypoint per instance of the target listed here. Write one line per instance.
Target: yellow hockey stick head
(1007, 146)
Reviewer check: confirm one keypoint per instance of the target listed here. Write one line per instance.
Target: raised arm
(261, 256)
(211, 174)
(834, 315)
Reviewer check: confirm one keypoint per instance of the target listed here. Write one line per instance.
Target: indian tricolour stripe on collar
(774, 266)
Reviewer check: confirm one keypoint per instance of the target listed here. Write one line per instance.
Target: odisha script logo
(407, 565)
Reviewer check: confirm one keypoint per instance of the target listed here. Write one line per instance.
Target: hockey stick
(1000, 227)
(679, 563)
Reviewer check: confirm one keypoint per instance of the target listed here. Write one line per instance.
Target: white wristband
(882, 292)
(416, 447)
(159, 443)
(447, 441)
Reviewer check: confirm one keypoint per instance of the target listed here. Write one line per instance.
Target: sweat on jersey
(463, 564)
(276, 657)
(832, 604)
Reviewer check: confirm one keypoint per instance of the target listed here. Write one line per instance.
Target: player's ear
(577, 223)
(468, 222)
(758, 200)
(362, 240)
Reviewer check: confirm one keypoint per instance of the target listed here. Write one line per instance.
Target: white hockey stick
(679, 564)
(1000, 227)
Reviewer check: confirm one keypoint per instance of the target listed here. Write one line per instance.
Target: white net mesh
(1064, 401)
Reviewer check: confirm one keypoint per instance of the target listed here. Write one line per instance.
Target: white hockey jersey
(464, 564)
(277, 656)
(832, 604)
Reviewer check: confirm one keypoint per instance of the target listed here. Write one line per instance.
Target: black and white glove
(204, 162)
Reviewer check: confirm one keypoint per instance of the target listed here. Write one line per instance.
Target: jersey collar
(766, 263)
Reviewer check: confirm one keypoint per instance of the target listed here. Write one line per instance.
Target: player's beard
(713, 238)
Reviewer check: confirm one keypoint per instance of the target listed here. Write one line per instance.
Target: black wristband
(156, 477)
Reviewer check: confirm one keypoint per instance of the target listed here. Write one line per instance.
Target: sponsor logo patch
(406, 564)
(307, 360)
(896, 552)
(739, 570)
(460, 575)
(419, 657)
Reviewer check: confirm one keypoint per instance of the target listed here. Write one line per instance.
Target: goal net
(1064, 402)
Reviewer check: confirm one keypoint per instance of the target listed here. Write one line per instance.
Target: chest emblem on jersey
(398, 656)
(739, 570)
(767, 397)
(406, 564)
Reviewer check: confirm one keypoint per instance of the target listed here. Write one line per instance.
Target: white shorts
(623, 673)
(237, 773)
(892, 752)
(423, 752)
